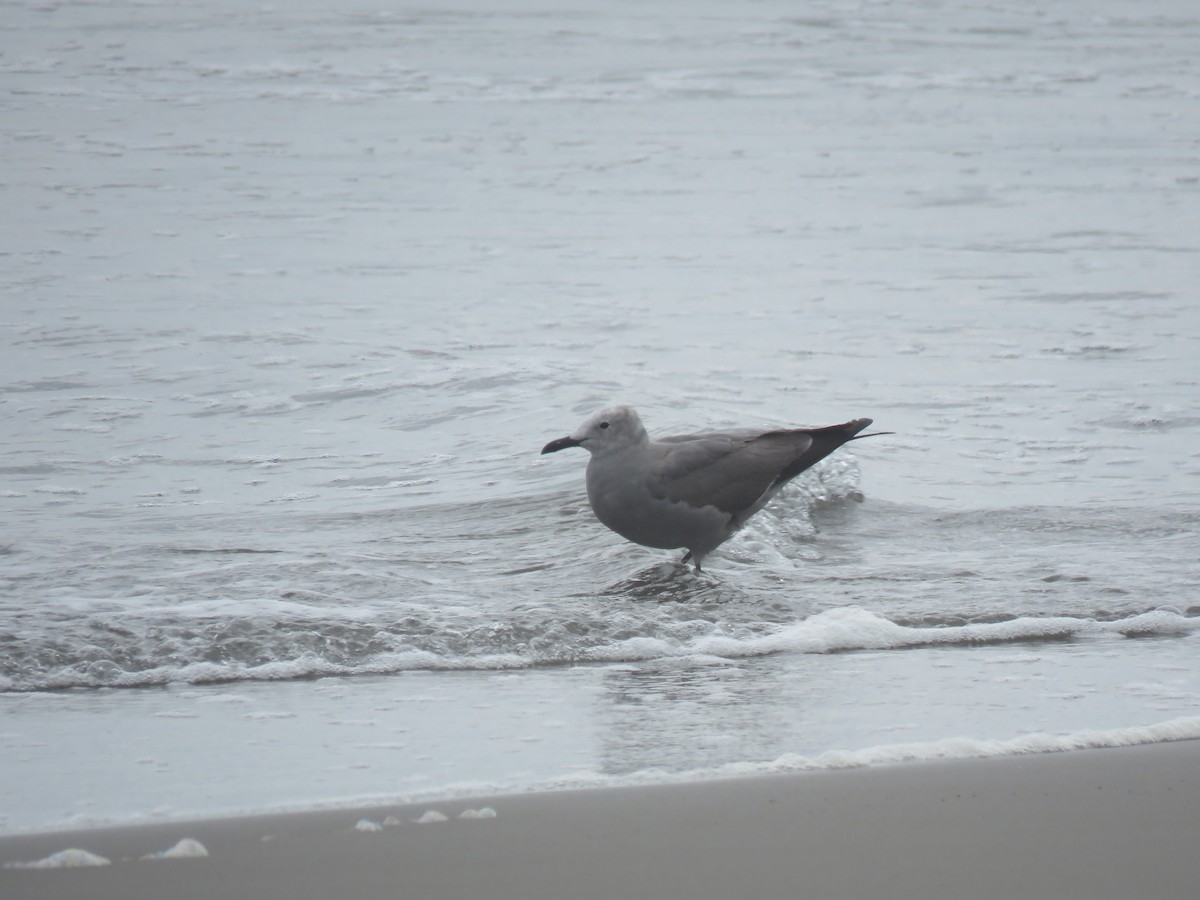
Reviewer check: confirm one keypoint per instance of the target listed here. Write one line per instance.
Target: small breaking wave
(1185, 728)
(563, 641)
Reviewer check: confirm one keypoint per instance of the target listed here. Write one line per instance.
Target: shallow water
(292, 297)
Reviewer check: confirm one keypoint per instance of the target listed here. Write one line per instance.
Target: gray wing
(730, 471)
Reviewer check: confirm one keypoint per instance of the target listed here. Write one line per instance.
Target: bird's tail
(848, 431)
(823, 442)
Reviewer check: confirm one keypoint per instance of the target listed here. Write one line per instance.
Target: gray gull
(691, 491)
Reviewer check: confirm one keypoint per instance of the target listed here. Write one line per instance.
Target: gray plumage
(691, 491)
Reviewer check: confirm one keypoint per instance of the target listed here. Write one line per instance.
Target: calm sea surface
(291, 296)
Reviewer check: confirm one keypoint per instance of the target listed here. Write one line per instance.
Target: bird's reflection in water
(680, 716)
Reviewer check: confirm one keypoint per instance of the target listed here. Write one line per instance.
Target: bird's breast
(627, 505)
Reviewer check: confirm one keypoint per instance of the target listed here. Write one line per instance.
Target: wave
(574, 642)
(955, 748)
(1186, 728)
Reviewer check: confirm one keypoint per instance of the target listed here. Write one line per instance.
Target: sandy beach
(1113, 823)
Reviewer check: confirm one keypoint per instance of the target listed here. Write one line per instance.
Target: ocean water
(292, 296)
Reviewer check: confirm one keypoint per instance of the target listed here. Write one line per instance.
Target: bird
(691, 491)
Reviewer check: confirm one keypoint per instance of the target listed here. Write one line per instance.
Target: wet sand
(1112, 823)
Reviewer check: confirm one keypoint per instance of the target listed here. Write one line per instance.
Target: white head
(613, 428)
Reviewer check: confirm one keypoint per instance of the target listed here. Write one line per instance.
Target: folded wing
(738, 472)
(735, 473)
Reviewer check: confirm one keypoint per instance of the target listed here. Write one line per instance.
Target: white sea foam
(484, 812)
(843, 629)
(72, 858)
(853, 628)
(185, 848)
(946, 749)
(1179, 729)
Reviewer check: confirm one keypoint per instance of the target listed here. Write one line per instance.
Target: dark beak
(560, 444)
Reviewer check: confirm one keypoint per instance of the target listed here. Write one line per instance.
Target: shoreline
(1100, 823)
(945, 750)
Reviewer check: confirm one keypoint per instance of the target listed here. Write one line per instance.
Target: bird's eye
(603, 424)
